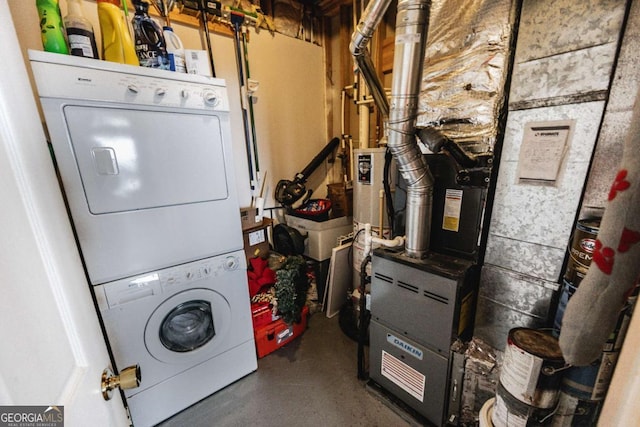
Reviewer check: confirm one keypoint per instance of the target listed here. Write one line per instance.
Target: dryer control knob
(210, 97)
(133, 88)
(161, 91)
(231, 263)
(184, 93)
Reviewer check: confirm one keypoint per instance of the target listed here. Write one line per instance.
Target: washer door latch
(129, 377)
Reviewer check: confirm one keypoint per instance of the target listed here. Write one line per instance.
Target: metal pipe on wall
(411, 32)
(369, 21)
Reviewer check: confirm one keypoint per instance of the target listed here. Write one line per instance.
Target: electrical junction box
(320, 237)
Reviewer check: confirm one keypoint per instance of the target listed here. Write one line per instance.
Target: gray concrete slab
(310, 381)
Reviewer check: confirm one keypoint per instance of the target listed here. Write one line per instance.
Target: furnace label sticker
(452, 210)
(403, 375)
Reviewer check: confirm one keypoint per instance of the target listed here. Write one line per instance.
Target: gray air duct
(411, 33)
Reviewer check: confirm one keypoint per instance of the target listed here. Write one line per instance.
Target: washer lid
(189, 327)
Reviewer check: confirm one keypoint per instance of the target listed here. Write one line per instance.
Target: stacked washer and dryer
(145, 160)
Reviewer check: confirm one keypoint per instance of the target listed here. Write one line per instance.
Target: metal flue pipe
(411, 32)
(369, 21)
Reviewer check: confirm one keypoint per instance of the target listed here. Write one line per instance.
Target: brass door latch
(129, 378)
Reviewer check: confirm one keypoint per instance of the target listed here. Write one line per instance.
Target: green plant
(291, 288)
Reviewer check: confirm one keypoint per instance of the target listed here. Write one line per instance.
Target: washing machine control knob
(161, 91)
(231, 263)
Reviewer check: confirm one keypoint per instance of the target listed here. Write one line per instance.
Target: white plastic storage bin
(321, 236)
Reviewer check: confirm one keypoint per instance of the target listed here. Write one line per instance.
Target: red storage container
(262, 314)
(271, 337)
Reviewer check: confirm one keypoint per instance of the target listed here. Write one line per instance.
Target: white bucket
(485, 413)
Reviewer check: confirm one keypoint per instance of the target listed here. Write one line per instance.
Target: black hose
(365, 316)
(318, 159)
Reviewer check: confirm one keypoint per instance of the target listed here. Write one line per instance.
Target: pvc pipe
(381, 211)
(369, 240)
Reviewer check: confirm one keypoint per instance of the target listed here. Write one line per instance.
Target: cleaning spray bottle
(175, 49)
(117, 45)
(52, 31)
(82, 40)
(151, 46)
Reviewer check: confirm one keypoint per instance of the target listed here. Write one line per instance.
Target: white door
(53, 352)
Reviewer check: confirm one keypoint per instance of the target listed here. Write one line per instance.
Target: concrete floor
(310, 381)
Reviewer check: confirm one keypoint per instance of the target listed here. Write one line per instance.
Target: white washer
(189, 329)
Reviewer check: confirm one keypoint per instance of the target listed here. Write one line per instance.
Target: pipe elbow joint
(358, 44)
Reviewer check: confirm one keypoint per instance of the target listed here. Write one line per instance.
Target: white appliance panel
(148, 170)
(132, 159)
(73, 77)
(134, 310)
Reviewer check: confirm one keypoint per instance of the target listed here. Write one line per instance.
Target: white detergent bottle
(175, 49)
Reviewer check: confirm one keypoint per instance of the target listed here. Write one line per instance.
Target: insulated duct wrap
(465, 70)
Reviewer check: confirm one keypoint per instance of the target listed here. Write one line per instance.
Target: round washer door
(191, 326)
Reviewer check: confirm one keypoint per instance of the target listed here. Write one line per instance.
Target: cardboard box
(256, 240)
(249, 218)
(271, 337)
(197, 62)
(341, 200)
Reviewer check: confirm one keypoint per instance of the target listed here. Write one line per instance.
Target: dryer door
(148, 188)
(191, 326)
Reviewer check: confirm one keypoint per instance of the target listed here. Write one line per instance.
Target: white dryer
(145, 158)
(189, 329)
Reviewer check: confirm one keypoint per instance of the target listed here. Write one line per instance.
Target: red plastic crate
(271, 337)
(262, 314)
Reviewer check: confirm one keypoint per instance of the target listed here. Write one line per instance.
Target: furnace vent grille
(408, 287)
(436, 297)
(383, 278)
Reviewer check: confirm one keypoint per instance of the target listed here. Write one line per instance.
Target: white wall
(290, 111)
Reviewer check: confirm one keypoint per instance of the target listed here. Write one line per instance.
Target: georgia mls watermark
(31, 416)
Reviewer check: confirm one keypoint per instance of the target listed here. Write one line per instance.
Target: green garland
(291, 288)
